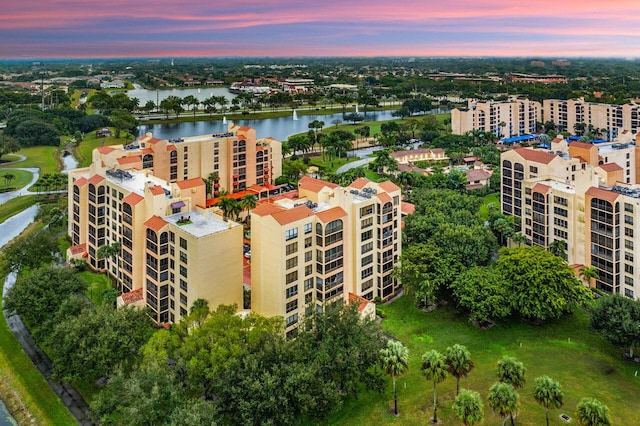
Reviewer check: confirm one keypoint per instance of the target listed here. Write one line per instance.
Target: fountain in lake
(357, 112)
(224, 119)
(295, 115)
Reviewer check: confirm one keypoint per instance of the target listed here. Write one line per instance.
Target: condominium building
(236, 158)
(584, 195)
(514, 117)
(319, 248)
(610, 122)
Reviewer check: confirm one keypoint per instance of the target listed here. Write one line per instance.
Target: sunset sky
(174, 28)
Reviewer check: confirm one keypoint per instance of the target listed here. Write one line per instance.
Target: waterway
(9, 229)
(280, 128)
(144, 95)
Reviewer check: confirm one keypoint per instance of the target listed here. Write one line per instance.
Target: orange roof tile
(147, 151)
(95, 179)
(292, 215)
(578, 144)
(171, 148)
(266, 209)
(389, 186)
(541, 188)
(80, 182)
(314, 185)
(359, 300)
(407, 208)
(105, 149)
(154, 141)
(132, 199)
(610, 167)
(129, 160)
(535, 155)
(156, 190)
(77, 249)
(384, 197)
(132, 296)
(155, 223)
(190, 183)
(359, 183)
(332, 214)
(244, 128)
(602, 194)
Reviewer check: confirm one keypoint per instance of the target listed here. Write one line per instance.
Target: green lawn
(64, 243)
(28, 393)
(7, 158)
(486, 200)
(16, 205)
(83, 151)
(583, 363)
(44, 157)
(96, 284)
(21, 178)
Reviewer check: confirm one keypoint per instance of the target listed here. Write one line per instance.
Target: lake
(280, 128)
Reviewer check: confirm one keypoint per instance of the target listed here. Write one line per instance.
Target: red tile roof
(602, 194)
(190, 183)
(267, 209)
(292, 215)
(332, 214)
(314, 185)
(610, 167)
(77, 249)
(80, 182)
(171, 148)
(359, 183)
(105, 149)
(407, 208)
(477, 174)
(156, 190)
(95, 179)
(541, 188)
(132, 296)
(129, 160)
(156, 223)
(359, 300)
(535, 155)
(585, 145)
(132, 199)
(384, 197)
(389, 186)
(153, 141)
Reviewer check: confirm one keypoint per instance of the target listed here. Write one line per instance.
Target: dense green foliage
(617, 318)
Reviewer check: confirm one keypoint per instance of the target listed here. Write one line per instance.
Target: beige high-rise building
(586, 196)
(237, 157)
(515, 117)
(606, 121)
(327, 244)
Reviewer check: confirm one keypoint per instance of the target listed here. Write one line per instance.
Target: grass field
(44, 157)
(84, 150)
(16, 205)
(22, 177)
(7, 158)
(28, 394)
(565, 350)
(96, 284)
(486, 200)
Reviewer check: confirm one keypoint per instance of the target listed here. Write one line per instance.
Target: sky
(414, 28)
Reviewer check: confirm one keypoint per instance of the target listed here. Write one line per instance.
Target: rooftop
(199, 224)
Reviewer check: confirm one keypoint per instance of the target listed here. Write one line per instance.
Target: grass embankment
(27, 394)
(96, 284)
(16, 205)
(83, 152)
(44, 157)
(486, 200)
(566, 350)
(8, 158)
(20, 179)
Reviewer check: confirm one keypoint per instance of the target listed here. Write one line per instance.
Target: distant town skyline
(199, 28)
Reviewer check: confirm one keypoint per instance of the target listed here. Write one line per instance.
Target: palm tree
(591, 412)
(504, 401)
(227, 205)
(589, 273)
(519, 238)
(193, 102)
(395, 361)
(548, 393)
(150, 106)
(459, 364)
(111, 251)
(8, 177)
(135, 104)
(468, 408)
(434, 368)
(558, 248)
(249, 202)
(511, 371)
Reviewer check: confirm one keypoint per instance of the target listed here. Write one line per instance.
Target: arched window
(506, 164)
(164, 238)
(333, 226)
(152, 236)
(319, 228)
(126, 208)
(147, 161)
(173, 156)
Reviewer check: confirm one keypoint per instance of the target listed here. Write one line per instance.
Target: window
(308, 284)
(366, 222)
(628, 256)
(291, 277)
(308, 228)
(308, 256)
(367, 235)
(628, 219)
(366, 210)
(183, 299)
(183, 243)
(628, 232)
(293, 319)
(367, 260)
(291, 234)
(183, 271)
(367, 284)
(628, 292)
(308, 270)
(292, 306)
(628, 244)
(291, 291)
(308, 242)
(183, 257)
(291, 248)
(183, 285)
(628, 269)
(533, 169)
(292, 263)
(367, 272)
